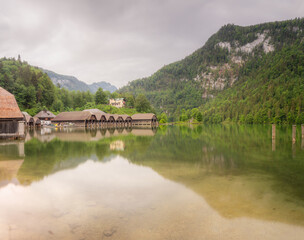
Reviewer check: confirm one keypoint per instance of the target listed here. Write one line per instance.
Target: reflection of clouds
(137, 201)
(89, 180)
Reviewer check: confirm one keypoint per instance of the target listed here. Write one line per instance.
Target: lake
(198, 182)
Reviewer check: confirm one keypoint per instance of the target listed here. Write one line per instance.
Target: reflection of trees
(233, 168)
(45, 158)
(214, 161)
(42, 159)
(230, 150)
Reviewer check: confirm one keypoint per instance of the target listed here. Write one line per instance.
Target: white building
(117, 102)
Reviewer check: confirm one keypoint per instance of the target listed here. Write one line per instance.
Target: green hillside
(245, 74)
(35, 91)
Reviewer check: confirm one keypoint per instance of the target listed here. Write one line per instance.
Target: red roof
(8, 106)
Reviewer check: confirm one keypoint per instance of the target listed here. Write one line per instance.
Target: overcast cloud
(119, 41)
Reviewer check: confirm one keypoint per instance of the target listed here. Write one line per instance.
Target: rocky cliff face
(217, 77)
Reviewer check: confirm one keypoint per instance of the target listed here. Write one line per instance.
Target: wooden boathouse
(45, 116)
(11, 118)
(98, 114)
(77, 119)
(110, 120)
(127, 120)
(144, 119)
(118, 120)
(26, 118)
(35, 122)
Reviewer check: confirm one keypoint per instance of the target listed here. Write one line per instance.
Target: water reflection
(219, 182)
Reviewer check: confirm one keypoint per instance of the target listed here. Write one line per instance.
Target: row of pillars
(294, 131)
(294, 134)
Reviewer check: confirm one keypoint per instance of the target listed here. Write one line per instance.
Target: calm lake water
(205, 182)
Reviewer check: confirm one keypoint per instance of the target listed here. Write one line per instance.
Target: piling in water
(273, 131)
(294, 130)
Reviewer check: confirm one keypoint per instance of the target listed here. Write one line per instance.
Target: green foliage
(34, 91)
(142, 104)
(269, 90)
(162, 118)
(199, 117)
(268, 87)
(101, 97)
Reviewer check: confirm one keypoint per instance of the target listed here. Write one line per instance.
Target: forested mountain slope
(250, 74)
(35, 91)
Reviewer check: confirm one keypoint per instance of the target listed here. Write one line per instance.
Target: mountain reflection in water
(206, 182)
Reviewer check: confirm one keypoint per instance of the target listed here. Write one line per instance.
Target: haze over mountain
(72, 83)
(248, 74)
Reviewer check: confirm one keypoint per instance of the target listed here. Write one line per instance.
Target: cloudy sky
(121, 40)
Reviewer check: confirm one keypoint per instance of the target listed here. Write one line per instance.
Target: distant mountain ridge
(72, 83)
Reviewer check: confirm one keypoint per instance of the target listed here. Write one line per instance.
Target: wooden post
(273, 131)
(273, 144)
(302, 144)
(294, 130)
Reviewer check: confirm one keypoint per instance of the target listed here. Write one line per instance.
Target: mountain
(72, 83)
(248, 74)
(104, 85)
(34, 90)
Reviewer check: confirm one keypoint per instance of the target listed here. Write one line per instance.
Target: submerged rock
(109, 232)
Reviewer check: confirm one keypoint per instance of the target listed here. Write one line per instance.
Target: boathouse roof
(107, 116)
(98, 113)
(8, 106)
(73, 116)
(125, 116)
(115, 116)
(35, 121)
(45, 114)
(26, 116)
(143, 116)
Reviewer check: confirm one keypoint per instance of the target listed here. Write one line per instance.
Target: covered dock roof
(9, 108)
(125, 116)
(45, 114)
(27, 117)
(98, 113)
(73, 116)
(143, 116)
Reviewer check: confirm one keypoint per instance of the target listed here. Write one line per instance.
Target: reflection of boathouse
(79, 119)
(11, 118)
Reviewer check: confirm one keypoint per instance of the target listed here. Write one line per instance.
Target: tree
(199, 117)
(130, 100)
(58, 105)
(115, 95)
(163, 118)
(142, 104)
(101, 97)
